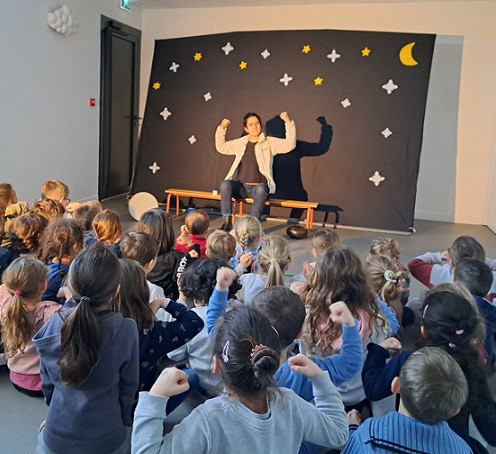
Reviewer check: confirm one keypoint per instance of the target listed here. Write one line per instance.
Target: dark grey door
(119, 107)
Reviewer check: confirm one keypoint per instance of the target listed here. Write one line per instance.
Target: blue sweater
(341, 367)
(398, 433)
(488, 314)
(377, 376)
(93, 416)
(164, 337)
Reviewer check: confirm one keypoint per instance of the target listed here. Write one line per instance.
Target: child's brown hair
(85, 213)
(324, 239)
(62, 238)
(48, 208)
(387, 247)
(197, 222)
(24, 278)
(107, 226)
(221, 245)
(25, 233)
(139, 246)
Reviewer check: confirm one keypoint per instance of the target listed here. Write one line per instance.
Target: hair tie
(85, 299)
(459, 331)
(17, 292)
(225, 352)
(389, 276)
(451, 345)
(256, 349)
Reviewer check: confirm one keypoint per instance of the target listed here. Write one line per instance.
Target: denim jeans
(236, 189)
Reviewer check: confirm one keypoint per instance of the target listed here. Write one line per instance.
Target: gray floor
(20, 416)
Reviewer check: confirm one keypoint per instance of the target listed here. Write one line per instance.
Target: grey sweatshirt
(223, 425)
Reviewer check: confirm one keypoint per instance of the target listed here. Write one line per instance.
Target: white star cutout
(286, 79)
(377, 179)
(346, 103)
(265, 54)
(333, 56)
(207, 96)
(390, 86)
(192, 140)
(154, 168)
(386, 133)
(165, 113)
(227, 48)
(174, 67)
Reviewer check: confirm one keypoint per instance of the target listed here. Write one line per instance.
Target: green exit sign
(126, 5)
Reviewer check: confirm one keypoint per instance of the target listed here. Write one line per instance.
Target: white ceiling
(166, 4)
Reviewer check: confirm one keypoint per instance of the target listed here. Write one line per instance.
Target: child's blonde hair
(274, 258)
(55, 190)
(324, 239)
(107, 226)
(23, 278)
(220, 244)
(248, 231)
(197, 222)
(388, 247)
(384, 277)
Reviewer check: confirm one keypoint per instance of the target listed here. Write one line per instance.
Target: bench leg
(177, 205)
(309, 224)
(167, 206)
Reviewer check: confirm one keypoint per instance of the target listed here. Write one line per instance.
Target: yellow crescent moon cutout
(406, 56)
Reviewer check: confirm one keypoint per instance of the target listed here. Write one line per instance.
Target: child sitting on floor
(156, 338)
(22, 314)
(158, 224)
(55, 190)
(274, 259)
(108, 231)
(478, 278)
(194, 233)
(451, 322)
(433, 388)
(248, 233)
(253, 415)
(62, 241)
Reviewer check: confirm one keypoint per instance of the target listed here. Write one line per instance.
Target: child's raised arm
(218, 301)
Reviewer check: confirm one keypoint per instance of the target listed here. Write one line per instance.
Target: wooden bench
(177, 193)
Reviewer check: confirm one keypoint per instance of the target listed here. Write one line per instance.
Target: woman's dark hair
(251, 114)
(199, 279)
(248, 351)
(134, 295)
(93, 279)
(158, 224)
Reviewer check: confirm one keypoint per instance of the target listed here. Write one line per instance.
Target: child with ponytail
(89, 363)
(274, 259)
(23, 313)
(254, 415)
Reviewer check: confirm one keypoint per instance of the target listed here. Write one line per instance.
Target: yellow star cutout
(306, 49)
(365, 52)
(243, 65)
(318, 81)
(156, 85)
(198, 56)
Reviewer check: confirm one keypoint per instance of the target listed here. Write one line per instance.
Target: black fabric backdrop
(339, 176)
